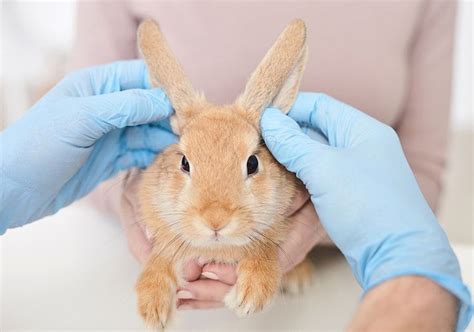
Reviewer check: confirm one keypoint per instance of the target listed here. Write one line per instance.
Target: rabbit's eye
(185, 164)
(252, 165)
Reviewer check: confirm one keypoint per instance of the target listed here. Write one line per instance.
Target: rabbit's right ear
(166, 73)
(277, 79)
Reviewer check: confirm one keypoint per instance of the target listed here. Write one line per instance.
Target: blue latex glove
(365, 193)
(93, 124)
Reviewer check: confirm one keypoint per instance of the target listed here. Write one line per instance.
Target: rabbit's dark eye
(252, 165)
(185, 164)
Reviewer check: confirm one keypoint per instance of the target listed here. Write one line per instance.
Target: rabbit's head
(219, 185)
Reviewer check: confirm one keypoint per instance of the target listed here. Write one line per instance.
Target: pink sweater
(390, 59)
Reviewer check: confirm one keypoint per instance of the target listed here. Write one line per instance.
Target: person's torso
(358, 52)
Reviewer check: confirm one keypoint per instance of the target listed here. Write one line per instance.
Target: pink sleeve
(105, 33)
(423, 127)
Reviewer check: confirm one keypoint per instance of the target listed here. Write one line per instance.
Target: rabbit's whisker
(276, 244)
(170, 243)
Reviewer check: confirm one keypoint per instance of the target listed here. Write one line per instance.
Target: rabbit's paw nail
(247, 298)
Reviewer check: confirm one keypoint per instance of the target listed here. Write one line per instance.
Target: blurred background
(36, 41)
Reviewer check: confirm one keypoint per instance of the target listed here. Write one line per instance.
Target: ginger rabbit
(218, 193)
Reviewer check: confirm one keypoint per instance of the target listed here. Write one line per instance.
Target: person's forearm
(406, 304)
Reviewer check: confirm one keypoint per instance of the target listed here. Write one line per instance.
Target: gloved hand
(365, 193)
(94, 123)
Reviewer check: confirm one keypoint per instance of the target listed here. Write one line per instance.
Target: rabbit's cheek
(236, 233)
(196, 232)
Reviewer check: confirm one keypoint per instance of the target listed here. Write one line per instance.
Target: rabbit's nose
(217, 225)
(216, 217)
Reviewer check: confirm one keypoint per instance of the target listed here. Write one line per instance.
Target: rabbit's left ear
(167, 73)
(277, 79)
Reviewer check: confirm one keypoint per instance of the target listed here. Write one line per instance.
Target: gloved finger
(120, 75)
(314, 134)
(148, 137)
(104, 79)
(163, 124)
(134, 158)
(192, 270)
(290, 146)
(222, 272)
(333, 118)
(122, 109)
(198, 305)
(204, 290)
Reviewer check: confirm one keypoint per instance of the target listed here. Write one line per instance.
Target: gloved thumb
(340, 123)
(290, 146)
(125, 108)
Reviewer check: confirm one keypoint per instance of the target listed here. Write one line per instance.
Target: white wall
(36, 39)
(462, 108)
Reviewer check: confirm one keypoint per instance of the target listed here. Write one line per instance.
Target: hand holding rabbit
(208, 283)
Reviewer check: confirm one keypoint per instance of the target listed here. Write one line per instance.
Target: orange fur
(155, 289)
(300, 277)
(277, 78)
(183, 212)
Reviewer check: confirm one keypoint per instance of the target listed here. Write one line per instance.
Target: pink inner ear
(288, 93)
(164, 68)
(277, 78)
(174, 122)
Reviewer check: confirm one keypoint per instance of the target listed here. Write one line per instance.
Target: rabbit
(218, 193)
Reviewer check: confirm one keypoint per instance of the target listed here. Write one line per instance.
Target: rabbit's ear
(166, 72)
(277, 79)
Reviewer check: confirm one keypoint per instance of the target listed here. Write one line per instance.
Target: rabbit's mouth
(204, 230)
(216, 237)
(219, 239)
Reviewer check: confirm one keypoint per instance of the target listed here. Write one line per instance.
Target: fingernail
(184, 307)
(159, 97)
(202, 260)
(210, 275)
(148, 233)
(184, 294)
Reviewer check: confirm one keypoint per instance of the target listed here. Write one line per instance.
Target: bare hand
(209, 283)
(138, 243)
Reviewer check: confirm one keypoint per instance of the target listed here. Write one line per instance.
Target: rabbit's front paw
(252, 292)
(299, 278)
(156, 300)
